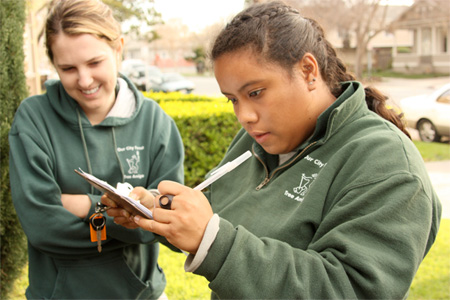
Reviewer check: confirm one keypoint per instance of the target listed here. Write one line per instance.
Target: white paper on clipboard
(134, 207)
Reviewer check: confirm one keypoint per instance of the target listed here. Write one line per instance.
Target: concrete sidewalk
(439, 172)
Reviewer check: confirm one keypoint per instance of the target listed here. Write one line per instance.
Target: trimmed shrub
(12, 90)
(178, 96)
(207, 126)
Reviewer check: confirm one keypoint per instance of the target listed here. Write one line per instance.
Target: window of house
(442, 40)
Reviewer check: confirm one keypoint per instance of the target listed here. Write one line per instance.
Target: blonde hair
(74, 17)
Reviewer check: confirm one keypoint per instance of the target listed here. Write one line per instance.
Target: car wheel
(427, 131)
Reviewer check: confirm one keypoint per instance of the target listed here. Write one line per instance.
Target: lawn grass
(432, 280)
(433, 151)
(181, 285)
(392, 74)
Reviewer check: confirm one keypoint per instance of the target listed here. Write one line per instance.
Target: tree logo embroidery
(303, 186)
(133, 163)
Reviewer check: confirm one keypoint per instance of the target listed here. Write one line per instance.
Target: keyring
(165, 201)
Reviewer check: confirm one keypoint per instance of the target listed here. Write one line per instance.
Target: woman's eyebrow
(243, 87)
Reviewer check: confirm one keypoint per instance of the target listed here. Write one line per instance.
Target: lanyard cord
(86, 153)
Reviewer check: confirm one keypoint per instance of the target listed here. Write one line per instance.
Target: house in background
(380, 47)
(429, 24)
(166, 57)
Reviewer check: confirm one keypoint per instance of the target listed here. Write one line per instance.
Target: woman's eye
(255, 93)
(67, 69)
(232, 100)
(95, 63)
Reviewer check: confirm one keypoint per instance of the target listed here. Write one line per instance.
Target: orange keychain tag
(97, 226)
(97, 221)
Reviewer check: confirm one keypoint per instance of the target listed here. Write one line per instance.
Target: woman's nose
(246, 114)
(84, 78)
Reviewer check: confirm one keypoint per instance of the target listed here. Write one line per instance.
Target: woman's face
(277, 110)
(88, 69)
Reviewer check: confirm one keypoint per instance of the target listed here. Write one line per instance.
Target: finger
(118, 212)
(161, 215)
(143, 196)
(171, 187)
(151, 225)
(140, 193)
(157, 203)
(126, 222)
(107, 201)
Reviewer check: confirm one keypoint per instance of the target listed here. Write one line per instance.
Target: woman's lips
(91, 91)
(260, 138)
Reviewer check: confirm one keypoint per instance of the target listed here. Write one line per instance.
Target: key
(99, 241)
(98, 230)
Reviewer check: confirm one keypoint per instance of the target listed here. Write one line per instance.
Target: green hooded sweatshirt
(50, 137)
(351, 215)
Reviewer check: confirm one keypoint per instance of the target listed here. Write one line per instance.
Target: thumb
(143, 195)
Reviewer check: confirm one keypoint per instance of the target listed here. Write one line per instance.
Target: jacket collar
(66, 107)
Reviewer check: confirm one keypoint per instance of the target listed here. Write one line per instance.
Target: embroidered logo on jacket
(298, 192)
(304, 184)
(133, 163)
(133, 158)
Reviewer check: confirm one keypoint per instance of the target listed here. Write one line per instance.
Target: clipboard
(134, 207)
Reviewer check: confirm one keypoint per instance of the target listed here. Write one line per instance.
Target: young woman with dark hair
(335, 203)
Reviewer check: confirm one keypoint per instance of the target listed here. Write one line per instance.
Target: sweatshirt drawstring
(117, 154)
(86, 153)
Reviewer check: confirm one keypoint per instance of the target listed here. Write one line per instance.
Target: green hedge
(12, 90)
(207, 126)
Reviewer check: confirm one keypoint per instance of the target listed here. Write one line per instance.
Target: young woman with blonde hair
(95, 119)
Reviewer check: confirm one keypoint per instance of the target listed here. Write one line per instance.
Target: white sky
(197, 14)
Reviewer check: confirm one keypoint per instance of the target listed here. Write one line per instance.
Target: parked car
(151, 78)
(146, 77)
(128, 65)
(174, 82)
(429, 114)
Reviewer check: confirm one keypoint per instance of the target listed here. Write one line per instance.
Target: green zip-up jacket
(50, 137)
(351, 215)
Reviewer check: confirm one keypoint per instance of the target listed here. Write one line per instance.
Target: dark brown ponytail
(376, 102)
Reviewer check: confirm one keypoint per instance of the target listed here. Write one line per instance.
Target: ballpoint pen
(165, 201)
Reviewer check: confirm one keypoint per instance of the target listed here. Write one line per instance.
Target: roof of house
(424, 13)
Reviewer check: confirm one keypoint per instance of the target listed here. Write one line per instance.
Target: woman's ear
(309, 69)
(119, 50)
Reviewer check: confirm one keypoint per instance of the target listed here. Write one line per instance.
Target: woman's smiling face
(277, 109)
(88, 68)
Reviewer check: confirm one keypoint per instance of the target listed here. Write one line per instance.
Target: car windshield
(444, 98)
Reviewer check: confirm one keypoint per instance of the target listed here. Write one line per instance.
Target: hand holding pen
(187, 211)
